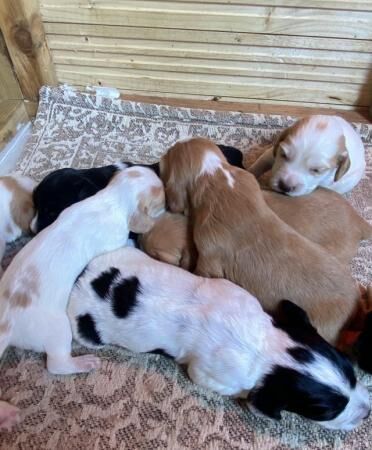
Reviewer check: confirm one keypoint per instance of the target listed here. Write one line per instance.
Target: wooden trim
(357, 115)
(23, 31)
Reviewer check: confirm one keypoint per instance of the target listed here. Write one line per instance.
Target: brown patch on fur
(30, 284)
(170, 240)
(342, 160)
(238, 237)
(133, 174)
(289, 132)
(4, 327)
(21, 206)
(142, 219)
(321, 125)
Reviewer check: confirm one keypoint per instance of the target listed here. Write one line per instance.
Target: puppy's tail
(363, 345)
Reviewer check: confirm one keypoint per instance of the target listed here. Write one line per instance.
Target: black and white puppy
(64, 187)
(229, 344)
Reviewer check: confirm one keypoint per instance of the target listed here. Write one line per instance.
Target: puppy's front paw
(9, 415)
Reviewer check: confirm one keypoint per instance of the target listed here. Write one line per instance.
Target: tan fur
(22, 208)
(240, 238)
(141, 220)
(22, 297)
(322, 125)
(324, 217)
(342, 160)
(170, 240)
(287, 133)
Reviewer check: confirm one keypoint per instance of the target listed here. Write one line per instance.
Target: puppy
(238, 237)
(64, 187)
(221, 333)
(16, 208)
(324, 217)
(170, 240)
(35, 288)
(315, 151)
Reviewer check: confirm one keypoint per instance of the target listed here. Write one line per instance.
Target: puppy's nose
(285, 187)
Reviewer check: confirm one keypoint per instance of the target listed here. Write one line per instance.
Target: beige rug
(146, 401)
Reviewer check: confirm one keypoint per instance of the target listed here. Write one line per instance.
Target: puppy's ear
(176, 197)
(282, 136)
(140, 222)
(85, 188)
(266, 401)
(343, 160)
(288, 313)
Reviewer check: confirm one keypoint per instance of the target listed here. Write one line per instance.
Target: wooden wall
(263, 51)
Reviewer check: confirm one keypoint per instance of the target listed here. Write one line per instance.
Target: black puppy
(64, 187)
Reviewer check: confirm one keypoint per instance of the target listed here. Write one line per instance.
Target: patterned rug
(146, 401)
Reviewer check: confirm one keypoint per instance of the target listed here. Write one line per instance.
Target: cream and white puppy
(34, 290)
(315, 151)
(16, 208)
(229, 344)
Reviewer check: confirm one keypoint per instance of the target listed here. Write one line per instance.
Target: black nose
(284, 187)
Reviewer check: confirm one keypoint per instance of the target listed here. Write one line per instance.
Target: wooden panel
(211, 51)
(242, 87)
(12, 113)
(223, 17)
(9, 87)
(211, 37)
(221, 67)
(23, 31)
(353, 5)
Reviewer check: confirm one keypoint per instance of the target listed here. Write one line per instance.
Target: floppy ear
(288, 313)
(176, 197)
(85, 188)
(140, 222)
(343, 160)
(265, 401)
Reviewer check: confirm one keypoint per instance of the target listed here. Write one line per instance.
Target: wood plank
(244, 87)
(353, 5)
(9, 87)
(23, 31)
(12, 113)
(210, 51)
(212, 37)
(217, 67)
(221, 17)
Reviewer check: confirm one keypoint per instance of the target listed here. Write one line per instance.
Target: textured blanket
(146, 401)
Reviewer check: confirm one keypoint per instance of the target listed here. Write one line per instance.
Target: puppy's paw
(86, 363)
(9, 415)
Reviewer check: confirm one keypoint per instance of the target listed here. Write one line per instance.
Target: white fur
(212, 163)
(9, 230)
(54, 259)
(312, 147)
(215, 327)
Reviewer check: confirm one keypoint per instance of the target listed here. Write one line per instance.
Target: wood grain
(23, 31)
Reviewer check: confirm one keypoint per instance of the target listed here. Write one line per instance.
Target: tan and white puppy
(315, 151)
(16, 208)
(35, 288)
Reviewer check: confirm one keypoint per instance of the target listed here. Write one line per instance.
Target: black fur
(159, 351)
(294, 321)
(64, 187)
(363, 346)
(287, 389)
(101, 285)
(300, 354)
(87, 329)
(233, 155)
(124, 296)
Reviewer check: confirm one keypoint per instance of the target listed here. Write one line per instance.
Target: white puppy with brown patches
(222, 334)
(16, 208)
(35, 288)
(315, 151)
